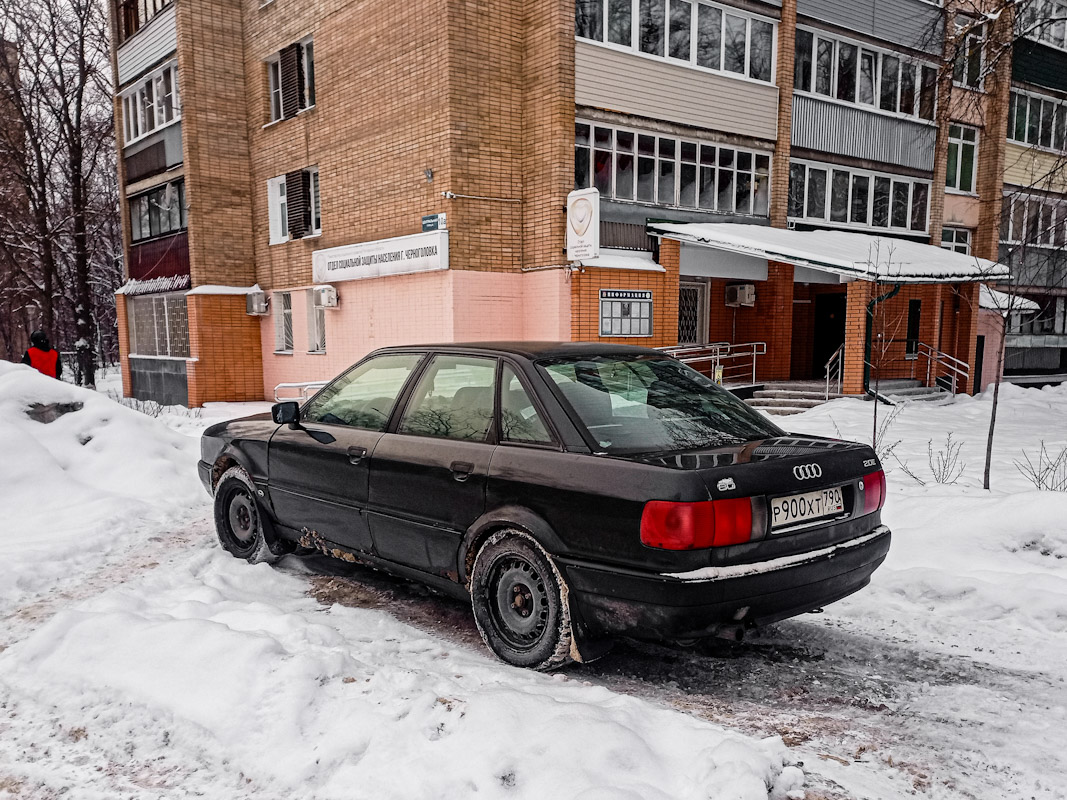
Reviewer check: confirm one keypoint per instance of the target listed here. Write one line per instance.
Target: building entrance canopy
(854, 255)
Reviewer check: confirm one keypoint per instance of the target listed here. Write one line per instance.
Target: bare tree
(58, 246)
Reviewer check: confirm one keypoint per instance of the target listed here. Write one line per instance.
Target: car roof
(537, 350)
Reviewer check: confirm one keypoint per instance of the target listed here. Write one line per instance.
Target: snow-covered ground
(138, 660)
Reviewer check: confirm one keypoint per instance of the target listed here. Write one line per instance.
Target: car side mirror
(287, 413)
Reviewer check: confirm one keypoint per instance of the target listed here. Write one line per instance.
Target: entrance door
(829, 330)
(693, 312)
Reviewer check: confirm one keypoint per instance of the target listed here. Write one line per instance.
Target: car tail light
(873, 492)
(692, 526)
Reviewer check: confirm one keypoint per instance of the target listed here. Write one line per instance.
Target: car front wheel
(520, 602)
(238, 520)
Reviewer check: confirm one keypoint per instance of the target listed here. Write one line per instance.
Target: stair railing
(304, 390)
(834, 370)
(940, 364)
(737, 361)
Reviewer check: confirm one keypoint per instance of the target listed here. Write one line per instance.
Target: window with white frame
(278, 210)
(152, 104)
(827, 194)
(1033, 220)
(307, 73)
(700, 34)
(274, 84)
(291, 79)
(158, 212)
(316, 322)
(1044, 21)
(315, 205)
(283, 322)
(1037, 120)
(956, 239)
(632, 165)
(962, 158)
(852, 73)
(969, 61)
(158, 325)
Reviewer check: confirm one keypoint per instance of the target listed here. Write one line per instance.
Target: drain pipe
(867, 346)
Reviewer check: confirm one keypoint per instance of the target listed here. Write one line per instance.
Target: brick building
(303, 183)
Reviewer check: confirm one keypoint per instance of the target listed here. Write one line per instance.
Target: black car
(571, 491)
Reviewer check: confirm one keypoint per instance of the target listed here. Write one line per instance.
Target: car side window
(453, 400)
(365, 395)
(519, 419)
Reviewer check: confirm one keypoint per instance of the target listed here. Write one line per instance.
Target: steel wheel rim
(240, 517)
(518, 602)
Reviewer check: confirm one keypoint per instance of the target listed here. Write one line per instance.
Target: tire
(239, 521)
(520, 602)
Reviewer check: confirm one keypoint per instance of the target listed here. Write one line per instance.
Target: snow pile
(79, 472)
(234, 659)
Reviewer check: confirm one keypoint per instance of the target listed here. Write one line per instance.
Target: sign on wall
(401, 255)
(583, 224)
(625, 312)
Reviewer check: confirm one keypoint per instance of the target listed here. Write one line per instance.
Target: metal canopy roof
(855, 255)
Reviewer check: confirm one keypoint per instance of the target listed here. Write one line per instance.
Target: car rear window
(648, 404)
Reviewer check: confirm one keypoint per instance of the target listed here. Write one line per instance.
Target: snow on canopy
(1002, 301)
(856, 255)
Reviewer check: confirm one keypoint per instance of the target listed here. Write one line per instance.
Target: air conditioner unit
(326, 296)
(256, 303)
(740, 294)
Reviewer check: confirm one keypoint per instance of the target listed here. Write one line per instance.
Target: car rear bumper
(704, 602)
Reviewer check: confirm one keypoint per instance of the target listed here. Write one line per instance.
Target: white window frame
(316, 323)
(1058, 136)
(1052, 235)
(754, 174)
(1032, 24)
(282, 304)
(308, 66)
(879, 54)
(148, 93)
(958, 240)
(961, 142)
(871, 176)
(314, 202)
(278, 210)
(976, 36)
(691, 62)
(275, 101)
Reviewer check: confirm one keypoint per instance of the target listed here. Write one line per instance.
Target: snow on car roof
(857, 255)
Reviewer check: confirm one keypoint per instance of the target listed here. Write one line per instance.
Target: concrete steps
(908, 391)
(793, 397)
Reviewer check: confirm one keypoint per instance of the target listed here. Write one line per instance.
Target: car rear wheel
(520, 602)
(238, 518)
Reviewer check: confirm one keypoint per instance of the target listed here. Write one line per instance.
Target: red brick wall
(585, 300)
(225, 343)
(124, 344)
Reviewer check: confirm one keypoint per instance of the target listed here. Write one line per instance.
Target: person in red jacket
(42, 357)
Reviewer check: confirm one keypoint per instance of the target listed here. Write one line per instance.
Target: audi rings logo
(806, 472)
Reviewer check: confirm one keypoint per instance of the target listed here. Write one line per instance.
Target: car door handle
(461, 470)
(356, 454)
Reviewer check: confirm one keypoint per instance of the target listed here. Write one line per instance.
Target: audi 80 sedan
(571, 492)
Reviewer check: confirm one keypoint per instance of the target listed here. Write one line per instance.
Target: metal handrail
(833, 369)
(737, 361)
(955, 368)
(306, 388)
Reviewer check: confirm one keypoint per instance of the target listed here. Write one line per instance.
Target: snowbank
(73, 487)
(314, 701)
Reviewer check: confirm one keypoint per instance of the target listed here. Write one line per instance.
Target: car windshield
(648, 404)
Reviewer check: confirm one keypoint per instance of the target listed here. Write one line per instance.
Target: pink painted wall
(427, 307)
(991, 326)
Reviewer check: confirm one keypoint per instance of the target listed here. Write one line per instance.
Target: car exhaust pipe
(733, 633)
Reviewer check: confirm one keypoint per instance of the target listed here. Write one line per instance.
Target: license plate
(802, 507)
